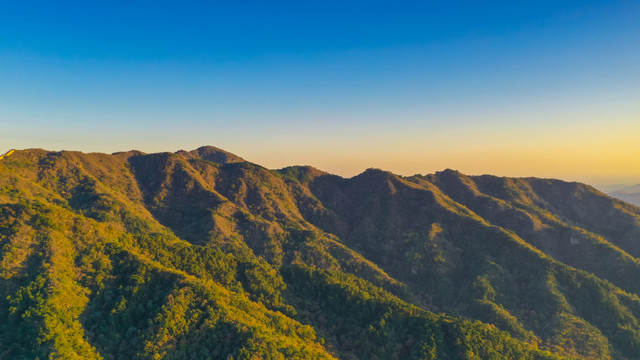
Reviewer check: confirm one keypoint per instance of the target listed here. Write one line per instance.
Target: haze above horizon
(544, 88)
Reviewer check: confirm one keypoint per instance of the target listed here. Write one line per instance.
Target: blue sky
(543, 88)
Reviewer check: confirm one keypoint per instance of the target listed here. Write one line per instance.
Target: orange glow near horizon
(592, 152)
(575, 147)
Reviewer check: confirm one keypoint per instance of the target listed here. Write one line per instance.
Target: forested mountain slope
(201, 254)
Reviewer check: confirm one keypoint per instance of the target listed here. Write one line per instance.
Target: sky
(511, 88)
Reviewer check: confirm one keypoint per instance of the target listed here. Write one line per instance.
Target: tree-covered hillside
(203, 255)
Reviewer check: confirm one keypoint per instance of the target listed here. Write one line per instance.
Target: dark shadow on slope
(174, 197)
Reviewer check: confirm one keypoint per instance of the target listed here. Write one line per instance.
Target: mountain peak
(217, 155)
(448, 172)
(375, 172)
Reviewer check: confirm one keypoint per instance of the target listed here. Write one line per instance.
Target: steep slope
(201, 254)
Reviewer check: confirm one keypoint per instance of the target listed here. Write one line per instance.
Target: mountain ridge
(457, 266)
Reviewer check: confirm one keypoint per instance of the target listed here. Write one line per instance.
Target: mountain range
(203, 255)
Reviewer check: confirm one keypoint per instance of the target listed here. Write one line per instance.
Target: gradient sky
(514, 88)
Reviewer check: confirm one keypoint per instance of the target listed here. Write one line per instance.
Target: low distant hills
(627, 193)
(203, 255)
